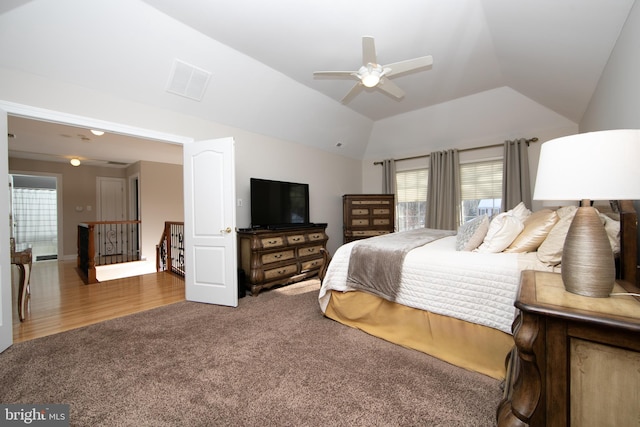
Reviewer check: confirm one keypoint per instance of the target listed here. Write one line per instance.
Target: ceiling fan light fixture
(371, 79)
(75, 162)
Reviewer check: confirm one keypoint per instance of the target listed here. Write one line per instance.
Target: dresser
(367, 215)
(576, 360)
(279, 257)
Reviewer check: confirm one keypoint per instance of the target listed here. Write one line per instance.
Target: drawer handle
(277, 256)
(296, 239)
(272, 242)
(311, 250)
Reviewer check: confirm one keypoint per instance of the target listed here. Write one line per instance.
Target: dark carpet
(274, 360)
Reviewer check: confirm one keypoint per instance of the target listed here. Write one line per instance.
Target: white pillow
(471, 233)
(520, 211)
(503, 230)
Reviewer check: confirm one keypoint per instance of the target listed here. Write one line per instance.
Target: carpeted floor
(272, 361)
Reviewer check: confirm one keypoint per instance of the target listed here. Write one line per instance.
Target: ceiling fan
(371, 74)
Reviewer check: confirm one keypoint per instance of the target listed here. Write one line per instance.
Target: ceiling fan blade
(356, 89)
(368, 51)
(409, 65)
(390, 87)
(335, 73)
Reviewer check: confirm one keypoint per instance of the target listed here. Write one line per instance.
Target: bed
(448, 296)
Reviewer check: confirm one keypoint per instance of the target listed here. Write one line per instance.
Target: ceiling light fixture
(97, 132)
(370, 75)
(75, 162)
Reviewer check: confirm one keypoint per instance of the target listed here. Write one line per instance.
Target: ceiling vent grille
(187, 80)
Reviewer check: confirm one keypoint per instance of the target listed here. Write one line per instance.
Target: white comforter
(471, 286)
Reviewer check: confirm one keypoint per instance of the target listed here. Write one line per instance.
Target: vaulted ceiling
(262, 55)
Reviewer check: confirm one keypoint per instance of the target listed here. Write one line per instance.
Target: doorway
(34, 211)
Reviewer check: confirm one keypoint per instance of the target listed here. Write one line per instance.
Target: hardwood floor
(60, 300)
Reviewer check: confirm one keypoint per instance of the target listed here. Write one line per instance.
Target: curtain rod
(534, 139)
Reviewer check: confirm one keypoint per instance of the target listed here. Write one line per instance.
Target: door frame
(36, 113)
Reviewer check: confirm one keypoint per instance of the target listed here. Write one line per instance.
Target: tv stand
(271, 257)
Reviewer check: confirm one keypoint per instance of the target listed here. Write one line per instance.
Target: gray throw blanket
(376, 263)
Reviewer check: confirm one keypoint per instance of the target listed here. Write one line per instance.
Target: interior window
(411, 198)
(481, 188)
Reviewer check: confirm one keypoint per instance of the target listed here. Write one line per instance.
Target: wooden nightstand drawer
(285, 270)
(278, 256)
(381, 211)
(380, 221)
(360, 222)
(272, 242)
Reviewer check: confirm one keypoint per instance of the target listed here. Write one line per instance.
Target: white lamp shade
(601, 165)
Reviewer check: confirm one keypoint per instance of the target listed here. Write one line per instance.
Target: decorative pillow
(536, 228)
(550, 251)
(471, 233)
(520, 211)
(612, 227)
(503, 230)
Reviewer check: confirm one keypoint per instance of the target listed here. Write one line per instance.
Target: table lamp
(589, 166)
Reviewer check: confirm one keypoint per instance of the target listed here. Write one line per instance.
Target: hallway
(60, 300)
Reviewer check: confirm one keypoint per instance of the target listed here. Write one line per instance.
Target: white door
(111, 207)
(209, 222)
(6, 327)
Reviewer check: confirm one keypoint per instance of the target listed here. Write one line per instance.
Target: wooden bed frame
(451, 339)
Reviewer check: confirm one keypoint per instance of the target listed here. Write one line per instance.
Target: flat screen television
(276, 204)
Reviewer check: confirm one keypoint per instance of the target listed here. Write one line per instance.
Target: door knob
(226, 230)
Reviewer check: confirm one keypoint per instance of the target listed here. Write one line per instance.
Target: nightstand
(576, 360)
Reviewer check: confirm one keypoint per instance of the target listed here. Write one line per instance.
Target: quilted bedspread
(471, 286)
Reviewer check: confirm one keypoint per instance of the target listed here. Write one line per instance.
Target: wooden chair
(23, 259)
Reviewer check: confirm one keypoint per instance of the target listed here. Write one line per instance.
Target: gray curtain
(389, 176)
(443, 195)
(516, 184)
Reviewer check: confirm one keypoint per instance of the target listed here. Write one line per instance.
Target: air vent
(110, 162)
(187, 80)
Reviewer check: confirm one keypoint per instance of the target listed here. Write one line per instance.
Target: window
(481, 188)
(411, 194)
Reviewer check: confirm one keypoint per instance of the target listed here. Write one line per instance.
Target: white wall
(616, 101)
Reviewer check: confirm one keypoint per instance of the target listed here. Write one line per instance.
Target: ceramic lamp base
(588, 267)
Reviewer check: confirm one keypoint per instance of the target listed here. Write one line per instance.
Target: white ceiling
(550, 51)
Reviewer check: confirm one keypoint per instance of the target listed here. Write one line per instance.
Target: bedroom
(67, 85)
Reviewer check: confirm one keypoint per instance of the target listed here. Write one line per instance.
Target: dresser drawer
(359, 211)
(359, 222)
(309, 251)
(313, 237)
(381, 221)
(278, 256)
(311, 264)
(369, 233)
(272, 242)
(381, 211)
(285, 270)
(296, 239)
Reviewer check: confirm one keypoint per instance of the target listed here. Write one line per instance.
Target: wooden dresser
(278, 257)
(576, 361)
(367, 215)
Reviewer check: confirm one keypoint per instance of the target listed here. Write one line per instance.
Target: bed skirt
(467, 345)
